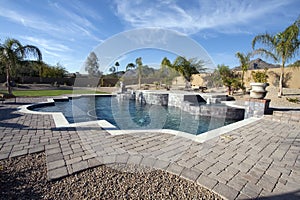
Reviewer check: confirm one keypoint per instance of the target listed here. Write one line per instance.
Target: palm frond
(244, 60)
(266, 39)
(266, 53)
(32, 51)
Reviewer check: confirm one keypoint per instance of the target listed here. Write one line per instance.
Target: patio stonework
(260, 159)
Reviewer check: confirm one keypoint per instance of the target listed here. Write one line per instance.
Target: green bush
(260, 76)
(293, 100)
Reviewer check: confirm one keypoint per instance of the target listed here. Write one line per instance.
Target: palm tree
(244, 62)
(117, 65)
(12, 53)
(185, 67)
(280, 47)
(112, 69)
(130, 66)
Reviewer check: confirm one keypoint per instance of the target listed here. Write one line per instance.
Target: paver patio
(260, 159)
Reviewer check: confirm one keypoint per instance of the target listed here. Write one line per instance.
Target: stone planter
(258, 90)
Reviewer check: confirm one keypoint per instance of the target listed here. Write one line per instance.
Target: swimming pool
(127, 114)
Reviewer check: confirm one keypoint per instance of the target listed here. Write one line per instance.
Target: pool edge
(61, 122)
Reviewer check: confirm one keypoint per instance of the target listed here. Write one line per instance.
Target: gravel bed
(283, 102)
(273, 95)
(25, 177)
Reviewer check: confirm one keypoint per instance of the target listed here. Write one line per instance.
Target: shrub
(260, 76)
(293, 100)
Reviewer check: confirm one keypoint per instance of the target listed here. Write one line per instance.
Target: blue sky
(67, 31)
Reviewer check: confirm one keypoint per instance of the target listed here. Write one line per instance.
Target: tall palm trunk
(280, 92)
(243, 74)
(243, 84)
(8, 80)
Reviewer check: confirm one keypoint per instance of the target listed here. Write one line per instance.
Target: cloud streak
(27, 20)
(47, 44)
(221, 16)
(60, 28)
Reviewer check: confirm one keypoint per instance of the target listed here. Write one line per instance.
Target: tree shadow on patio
(8, 114)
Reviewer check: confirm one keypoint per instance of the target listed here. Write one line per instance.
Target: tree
(213, 79)
(57, 71)
(244, 62)
(229, 78)
(40, 67)
(282, 46)
(112, 69)
(165, 62)
(12, 53)
(139, 65)
(130, 66)
(117, 65)
(166, 73)
(185, 67)
(295, 64)
(92, 65)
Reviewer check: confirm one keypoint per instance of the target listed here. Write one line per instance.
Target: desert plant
(156, 83)
(260, 76)
(229, 79)
(213, 79)
(293, 100)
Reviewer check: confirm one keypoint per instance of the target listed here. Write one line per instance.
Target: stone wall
(189, 103)
(291, 77)
(176, 100)
(152, 98)
(256, 107)
(214, 110)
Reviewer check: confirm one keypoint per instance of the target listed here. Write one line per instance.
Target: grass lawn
(40, 93)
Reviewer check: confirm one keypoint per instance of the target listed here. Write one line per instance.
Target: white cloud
(75, 29)
(195, 16)
(28, 20)
(47, 44)
(79, 6)
(59, 28)
(76, 18)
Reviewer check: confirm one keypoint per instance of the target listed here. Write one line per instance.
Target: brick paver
(260, 159)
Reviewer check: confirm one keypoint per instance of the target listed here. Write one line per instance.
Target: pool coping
(61, 122)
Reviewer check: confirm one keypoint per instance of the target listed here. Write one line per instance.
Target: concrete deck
(258, 160)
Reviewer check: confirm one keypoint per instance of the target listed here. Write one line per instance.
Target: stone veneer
(256, 107)
(192, 103)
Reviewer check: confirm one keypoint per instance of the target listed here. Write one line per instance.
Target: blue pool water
(127, 114)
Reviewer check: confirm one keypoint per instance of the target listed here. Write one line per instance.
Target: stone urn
(258, 90)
